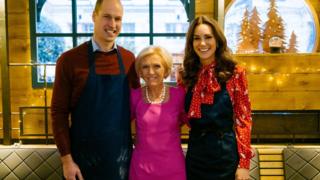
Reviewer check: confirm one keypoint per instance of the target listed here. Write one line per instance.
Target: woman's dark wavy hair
(191, 63)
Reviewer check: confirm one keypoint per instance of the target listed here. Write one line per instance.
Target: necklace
(161, 97)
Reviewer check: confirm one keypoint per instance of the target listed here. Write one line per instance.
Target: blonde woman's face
(152, 70)
(204, 43)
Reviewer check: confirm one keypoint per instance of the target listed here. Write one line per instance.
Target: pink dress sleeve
(134, 97)
(181, 93)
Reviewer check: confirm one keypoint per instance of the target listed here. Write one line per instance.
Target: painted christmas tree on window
(255, 22)
(277, 17)
(292, 48)
(253, 39)
(273, 27)
(250, 34)
(245, 45)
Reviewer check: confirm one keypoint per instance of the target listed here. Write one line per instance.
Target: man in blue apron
(92, 85)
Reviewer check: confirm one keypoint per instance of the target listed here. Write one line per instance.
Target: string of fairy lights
(280, 77)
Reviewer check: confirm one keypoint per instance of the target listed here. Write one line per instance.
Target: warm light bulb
(263, 70)
(253, 68)
(271, 78)
(279, 82)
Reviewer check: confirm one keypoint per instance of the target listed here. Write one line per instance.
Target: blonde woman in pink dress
(158, 111)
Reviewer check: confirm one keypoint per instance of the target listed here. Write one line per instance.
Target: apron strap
(91, 59)
(120, 62)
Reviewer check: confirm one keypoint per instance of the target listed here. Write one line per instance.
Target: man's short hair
(97, 6)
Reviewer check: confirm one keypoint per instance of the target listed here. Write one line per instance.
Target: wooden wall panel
(284, 100)
(280, 63)
(18, 6)
(285, 124)
(19, 50)
(18, 31)
(204, 7)
(22, 92)
(19, 26)
(283, 81)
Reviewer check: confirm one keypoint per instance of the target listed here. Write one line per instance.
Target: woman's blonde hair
(164, 55)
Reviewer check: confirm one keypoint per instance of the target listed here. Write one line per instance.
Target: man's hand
(71, 170)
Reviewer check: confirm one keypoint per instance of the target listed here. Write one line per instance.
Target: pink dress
(158, 154)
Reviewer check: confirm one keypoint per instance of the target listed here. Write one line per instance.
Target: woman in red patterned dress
(218, 106)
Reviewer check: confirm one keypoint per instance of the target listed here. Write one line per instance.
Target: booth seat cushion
(254, 167)
(302, 163)
(44, 163)
(30, 163)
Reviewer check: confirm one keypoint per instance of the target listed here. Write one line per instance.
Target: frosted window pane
(296, 15)
(169, 17)
(55, 17)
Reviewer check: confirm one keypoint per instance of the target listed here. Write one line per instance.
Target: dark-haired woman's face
(204, 43)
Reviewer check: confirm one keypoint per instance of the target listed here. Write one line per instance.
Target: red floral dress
(237, 88)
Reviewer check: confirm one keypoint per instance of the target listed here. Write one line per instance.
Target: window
(171, 27)
(62, 24)
(128, 27)
(249, 26)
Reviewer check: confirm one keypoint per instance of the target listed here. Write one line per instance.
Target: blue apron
(100, 133)
(212, 148)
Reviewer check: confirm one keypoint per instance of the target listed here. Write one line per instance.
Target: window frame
(188, 6)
